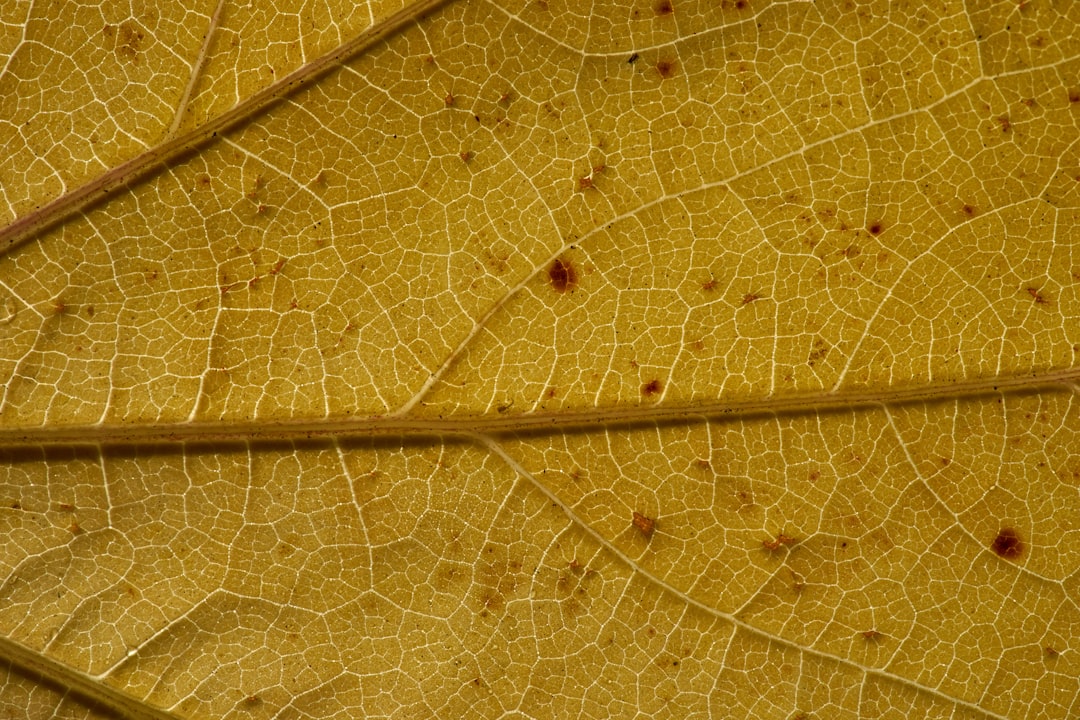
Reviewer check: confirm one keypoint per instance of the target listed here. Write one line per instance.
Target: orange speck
(646, 525)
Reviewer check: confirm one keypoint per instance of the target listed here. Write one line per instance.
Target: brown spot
(708, 285)
(1051, 652)
(1006, 125)
(871, 634)
(59, 306)
(633, 58)
(663, 7)
(875, 228)
(562, 275)
(749, 298)
(1037, 296)
(651, 388)
(89, 311)
(129, 43)
(449, 99)
(74, 528)
(666, 68)
(466, 156)
(585, 183)
(646, 525)
(969, 210)
(252, 701)
(1008, 544)
(1074, 95)
(16, 505)
(741, 4)
(818, 352)
(780, 541)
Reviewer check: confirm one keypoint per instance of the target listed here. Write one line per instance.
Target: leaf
(463, 359)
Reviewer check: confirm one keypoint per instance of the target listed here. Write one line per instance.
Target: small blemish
(876, 228)
(666, 68)
(651, 388)
(633, 58)
(749, 298)
(1037, 296)
(645, 524)
(663, 7)
(562, 275)
(780, 541)
(1007, 544)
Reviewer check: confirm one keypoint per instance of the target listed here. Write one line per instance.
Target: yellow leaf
(663, 359)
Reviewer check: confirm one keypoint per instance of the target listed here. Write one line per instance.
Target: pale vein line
(497, 449)
(79, 683)
(306, 428)
(196, 70)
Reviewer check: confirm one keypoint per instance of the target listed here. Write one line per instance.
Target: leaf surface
(466, 359)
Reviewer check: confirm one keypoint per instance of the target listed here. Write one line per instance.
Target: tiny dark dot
(875, 228)
(663, 7)
(1008, 544)
(741, 4)
(651, 388)
(562, 275)
(633, 58)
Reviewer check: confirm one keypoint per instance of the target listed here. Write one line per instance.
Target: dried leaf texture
(531, 359)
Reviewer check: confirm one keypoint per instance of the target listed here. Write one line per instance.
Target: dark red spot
(663, 7)
(666, 68)
(1008, 544)
(969, 210)
(741, 4)
(1074, 95)
(1006, 125)
(876, 228)
(562, 275)
(651, 388)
